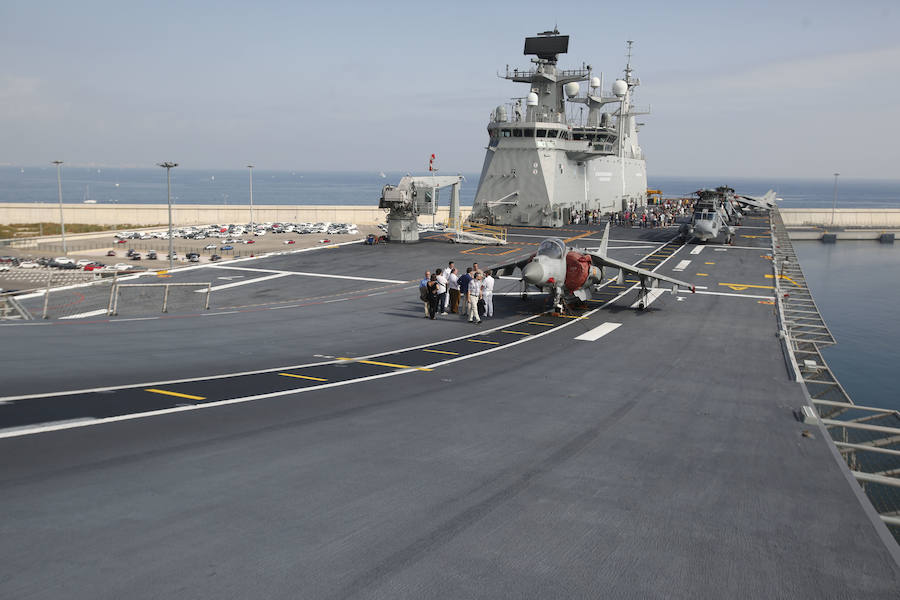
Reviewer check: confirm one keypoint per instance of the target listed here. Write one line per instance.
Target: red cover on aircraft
(577, 268)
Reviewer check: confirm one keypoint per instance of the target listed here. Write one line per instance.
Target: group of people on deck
(445, 291)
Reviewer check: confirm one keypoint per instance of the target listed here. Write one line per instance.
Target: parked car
(215, 257)
(151, 255)
(210, 247)
(249, 241)
(121, 267)
(94, 267)
(121, 241)
(290, 241)
(192, 256)
(111, 253)
(83, 263)
(227, 247)
(28, 264)
(136, 256)
(130, 252)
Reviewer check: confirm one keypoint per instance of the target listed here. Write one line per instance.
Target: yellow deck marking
(766, 256)
(516, 332)
(709, 263)
(483, 342)
(765, 302)
(539, 323)
(441, 351)
(753, 237)
(385, 364)
(302, 377)
(783, 277)
(580, 235)
(739, 287)
(571, 317)
(702, 274)
(168, 393)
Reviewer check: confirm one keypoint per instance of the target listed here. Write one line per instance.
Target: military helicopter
(568, 273)
(710, 220)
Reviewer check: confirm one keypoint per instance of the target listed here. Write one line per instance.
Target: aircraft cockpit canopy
(552, 248)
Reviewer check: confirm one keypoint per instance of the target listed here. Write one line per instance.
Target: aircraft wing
(600, 259)
(509, 268)
(605, 261)
(766, 202)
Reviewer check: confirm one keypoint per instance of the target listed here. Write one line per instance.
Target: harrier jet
(567, 273)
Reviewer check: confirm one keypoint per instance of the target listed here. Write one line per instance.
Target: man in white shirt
(442, 291)
(487, 292)
(446, 273)
(453, 284)
(472, 301)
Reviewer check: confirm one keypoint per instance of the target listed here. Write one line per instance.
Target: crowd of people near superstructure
(445, 291)
(663, 214)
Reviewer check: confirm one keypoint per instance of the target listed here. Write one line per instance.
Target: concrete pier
(197, 214)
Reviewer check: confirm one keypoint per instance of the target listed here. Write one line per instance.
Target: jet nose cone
(533, 273)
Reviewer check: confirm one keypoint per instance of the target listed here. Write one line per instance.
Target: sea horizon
(145, 185)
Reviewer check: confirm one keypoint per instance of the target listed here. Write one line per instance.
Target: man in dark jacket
(463, 282)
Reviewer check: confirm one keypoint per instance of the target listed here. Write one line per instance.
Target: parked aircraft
(567, 273)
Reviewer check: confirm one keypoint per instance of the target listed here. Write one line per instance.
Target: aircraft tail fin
(605, 242)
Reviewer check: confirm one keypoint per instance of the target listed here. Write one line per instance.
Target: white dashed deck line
(598, 332)
(698, 249)
(681, 266)
(652, 295)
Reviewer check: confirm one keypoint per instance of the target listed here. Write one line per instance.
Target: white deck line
(598, 332)
(307, 274)
(681, 266)
(239, 283)
(698, 250)
(93, 313)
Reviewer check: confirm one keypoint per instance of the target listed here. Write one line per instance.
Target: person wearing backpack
(423, 291)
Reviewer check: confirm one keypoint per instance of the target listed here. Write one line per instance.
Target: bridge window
(504, 133)
(528, 132)
(541, 133)
(517, 133)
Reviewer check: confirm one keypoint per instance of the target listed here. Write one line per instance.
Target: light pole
(834, 201)
(251, 195)
(62, 222)
(168, 166)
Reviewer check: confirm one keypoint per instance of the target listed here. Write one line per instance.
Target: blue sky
(778, 89)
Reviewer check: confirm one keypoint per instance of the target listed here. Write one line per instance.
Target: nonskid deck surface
(391, 456)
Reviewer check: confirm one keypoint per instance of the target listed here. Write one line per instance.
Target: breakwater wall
(199, 214)
(843, 217)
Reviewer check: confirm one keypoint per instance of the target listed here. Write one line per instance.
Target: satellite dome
(500, 114)
(595, 82)
(571, 89)
(619, 88)
(532, 99)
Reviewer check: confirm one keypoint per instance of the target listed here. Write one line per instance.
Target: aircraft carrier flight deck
(311, 435)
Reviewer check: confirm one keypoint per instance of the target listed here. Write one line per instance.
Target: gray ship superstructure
(544, 162)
